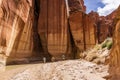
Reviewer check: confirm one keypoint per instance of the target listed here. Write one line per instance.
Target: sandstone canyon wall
(81, 26)
(16, 22)
(104, 25)
(53, 28)
(33, 29)
(115, 52)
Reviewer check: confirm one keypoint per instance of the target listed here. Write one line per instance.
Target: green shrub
(109, 45)
(103, 45)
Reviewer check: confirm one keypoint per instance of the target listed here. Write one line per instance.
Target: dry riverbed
(62, 70)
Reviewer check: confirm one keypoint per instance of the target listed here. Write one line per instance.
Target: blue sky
(103, 7)
(93, 5)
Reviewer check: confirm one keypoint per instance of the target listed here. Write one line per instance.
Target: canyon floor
(62, 70)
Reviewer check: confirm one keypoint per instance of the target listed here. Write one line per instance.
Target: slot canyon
(57, 30)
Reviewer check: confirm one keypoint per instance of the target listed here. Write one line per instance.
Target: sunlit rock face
(16, 22)
(83, 30)
(115, 52)
(33, 29)
(104, 25)
(53, 28)
(81, 26)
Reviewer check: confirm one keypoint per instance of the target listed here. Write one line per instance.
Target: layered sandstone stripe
(53, 27)
(115, 52)
(81, 26)
(40, 28)
(16, 28)
(83, 30)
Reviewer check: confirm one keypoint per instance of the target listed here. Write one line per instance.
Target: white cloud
(110, 5)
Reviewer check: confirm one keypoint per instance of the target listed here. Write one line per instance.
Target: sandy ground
(62, 70)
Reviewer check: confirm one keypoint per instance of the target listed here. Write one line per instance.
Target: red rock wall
(75, 5)
(114, 67)
(83, 30)
(16, 23)
(104, 25)
(53, 27)
(81, 26)
(39, 28)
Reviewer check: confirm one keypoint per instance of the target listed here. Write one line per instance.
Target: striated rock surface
(104, 25)
(53, 27)
(33, 29)
(16, 23)
(115, 52)
(56, 35)
(82, 28)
